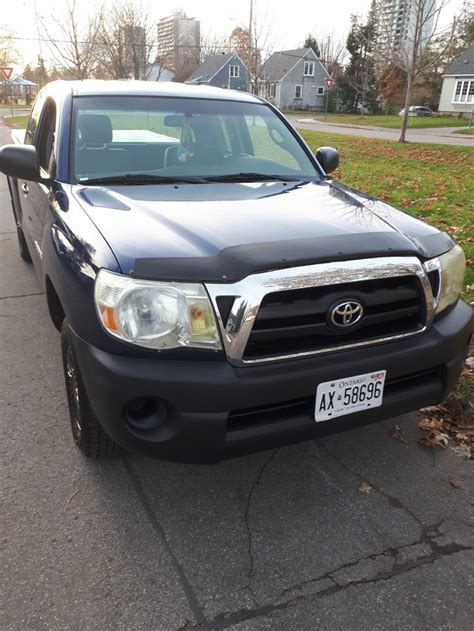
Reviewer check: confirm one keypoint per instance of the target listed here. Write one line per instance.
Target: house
(457, 93)
(222, 71)
(22, 89)
(294, 79)
(157, 72)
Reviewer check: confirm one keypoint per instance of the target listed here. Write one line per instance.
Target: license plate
(346, 396)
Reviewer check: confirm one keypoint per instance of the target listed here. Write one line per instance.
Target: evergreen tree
(311, 42)
(357, 86)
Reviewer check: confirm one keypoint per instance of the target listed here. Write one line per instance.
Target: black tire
(22, 245)
(86, 429)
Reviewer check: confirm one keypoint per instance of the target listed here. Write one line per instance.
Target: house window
(308, 69)
(272, 90)
(464, 92)
(298, 91)
(234, 71)
(320, 90)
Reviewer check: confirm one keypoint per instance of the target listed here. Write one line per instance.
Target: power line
(138, 45)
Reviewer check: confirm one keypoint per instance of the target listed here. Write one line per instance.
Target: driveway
(435, 135)
(285, 539)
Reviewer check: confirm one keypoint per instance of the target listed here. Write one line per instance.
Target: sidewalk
(432, 135)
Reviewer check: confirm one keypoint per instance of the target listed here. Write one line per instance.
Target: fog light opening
(145, 414)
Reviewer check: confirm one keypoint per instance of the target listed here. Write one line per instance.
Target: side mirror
(328, 158)
(20, 161)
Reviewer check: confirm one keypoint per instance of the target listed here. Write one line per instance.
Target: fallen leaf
(394, 502)
(434, 439)
(462, 450)
(430, 424)
(430, 409)
(398, 434)
(441, 438)
(70, 498)
(457, 484)
(365, 488)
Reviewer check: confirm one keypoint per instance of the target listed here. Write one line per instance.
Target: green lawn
(468, 130)
(432, 182)
(15, 106)
(17, 122)
(391, 122)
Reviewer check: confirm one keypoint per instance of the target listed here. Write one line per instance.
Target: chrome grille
(297, 320)
(278, 315)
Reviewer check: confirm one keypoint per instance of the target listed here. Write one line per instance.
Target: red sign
(329, 83)
(6, 72)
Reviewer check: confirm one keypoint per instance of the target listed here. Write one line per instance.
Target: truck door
(34, 195)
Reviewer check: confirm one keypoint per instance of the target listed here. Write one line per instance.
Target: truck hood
(223, 232)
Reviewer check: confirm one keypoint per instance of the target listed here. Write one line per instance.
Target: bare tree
(126, 40)
(414, 54)
(8, 52)
(332, 53)
(214, 44)
(75, 48)
(252, 43)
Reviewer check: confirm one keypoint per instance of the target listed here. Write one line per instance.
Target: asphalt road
(278, 540)
(440, 135)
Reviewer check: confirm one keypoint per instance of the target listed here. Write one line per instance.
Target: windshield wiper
(256, 177)
(143, 178)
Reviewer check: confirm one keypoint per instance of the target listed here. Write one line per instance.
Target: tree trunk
(407, 107)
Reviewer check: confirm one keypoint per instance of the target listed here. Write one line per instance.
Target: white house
(457, 93)
(157, 72)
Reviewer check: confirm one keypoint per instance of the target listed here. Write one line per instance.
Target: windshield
(165, 139)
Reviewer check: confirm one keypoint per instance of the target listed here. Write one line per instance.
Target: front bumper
(208, 411)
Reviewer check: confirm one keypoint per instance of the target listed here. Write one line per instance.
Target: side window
(45, 137)
(34, 119)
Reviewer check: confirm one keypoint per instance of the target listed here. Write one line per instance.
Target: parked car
(417, 110)
(216, 291)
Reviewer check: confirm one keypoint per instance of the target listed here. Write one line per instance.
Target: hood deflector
(235, 263)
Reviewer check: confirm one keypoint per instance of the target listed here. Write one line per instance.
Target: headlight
(155, 314)
(452, 270)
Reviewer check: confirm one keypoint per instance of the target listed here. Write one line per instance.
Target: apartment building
(179, 42)
(396, 22)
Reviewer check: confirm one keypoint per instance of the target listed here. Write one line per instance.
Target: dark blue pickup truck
(216, 292)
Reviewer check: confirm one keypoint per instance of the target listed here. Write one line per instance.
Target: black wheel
(86, 429)
(22, 245)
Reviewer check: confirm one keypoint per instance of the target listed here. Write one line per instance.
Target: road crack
(394, 501)
(247, 523)
(436, 552)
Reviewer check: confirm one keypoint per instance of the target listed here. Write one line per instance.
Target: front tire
(87, 432)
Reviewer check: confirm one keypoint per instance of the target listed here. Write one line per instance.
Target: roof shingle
(464, 64)
(278, 64)
(209, 67)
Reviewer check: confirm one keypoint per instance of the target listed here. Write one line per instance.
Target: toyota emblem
(347, 313)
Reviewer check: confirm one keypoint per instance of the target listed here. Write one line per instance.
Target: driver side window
(45, 138)
(34, 119)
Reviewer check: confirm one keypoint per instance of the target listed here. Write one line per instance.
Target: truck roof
(95, 87)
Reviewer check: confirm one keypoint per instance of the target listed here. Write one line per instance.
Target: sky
(287, 27)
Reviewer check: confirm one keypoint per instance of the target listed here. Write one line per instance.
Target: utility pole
(252, 52)
(250, 22)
